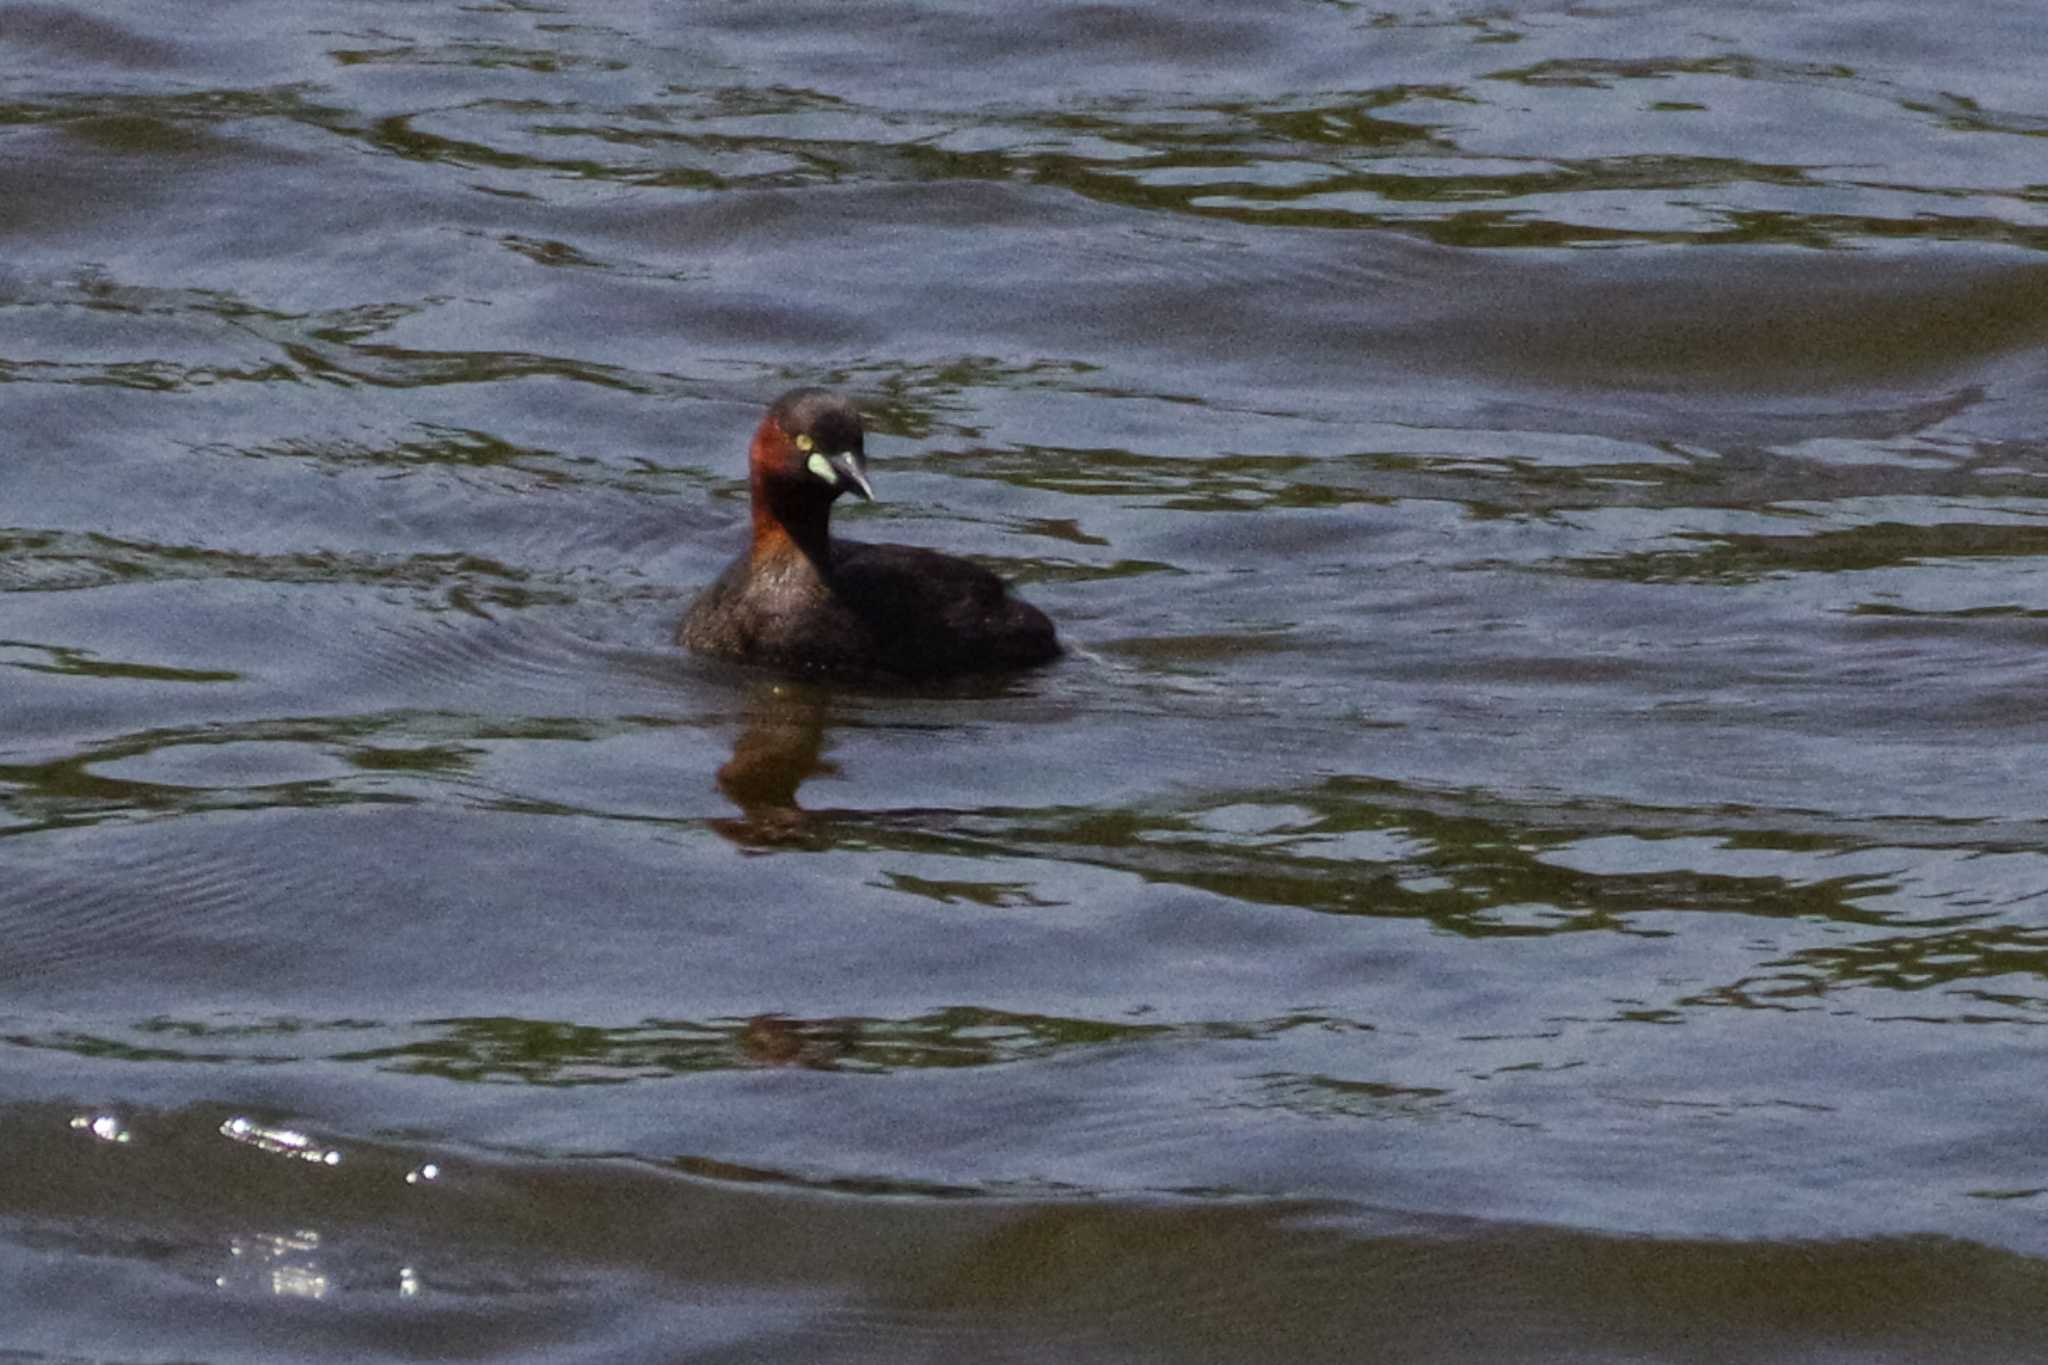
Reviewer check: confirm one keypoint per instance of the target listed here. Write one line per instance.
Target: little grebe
(802, 601)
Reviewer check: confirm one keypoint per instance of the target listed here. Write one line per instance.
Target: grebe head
(811, 441)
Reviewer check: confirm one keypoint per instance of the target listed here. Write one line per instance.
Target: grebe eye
(819, 465)
(803, 443)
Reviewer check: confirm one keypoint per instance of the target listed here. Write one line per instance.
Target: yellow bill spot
(819, 465)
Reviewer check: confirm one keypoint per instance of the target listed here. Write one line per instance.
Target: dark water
(1539, 853)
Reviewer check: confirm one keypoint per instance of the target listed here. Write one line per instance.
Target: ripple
(453, 656)
(559, 1053)
(118, 896)
(224, 765)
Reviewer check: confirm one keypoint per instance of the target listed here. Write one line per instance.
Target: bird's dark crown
(828, 419)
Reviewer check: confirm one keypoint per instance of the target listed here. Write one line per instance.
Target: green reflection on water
(82, 663)
(1735, 559)
(509, 1050)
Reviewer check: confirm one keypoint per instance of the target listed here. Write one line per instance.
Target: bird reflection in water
(779, 1040)
(780, 743)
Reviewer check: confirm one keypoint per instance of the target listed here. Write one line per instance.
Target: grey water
(1539, 850)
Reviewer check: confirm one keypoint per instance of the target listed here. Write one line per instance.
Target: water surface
(1536, 853)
